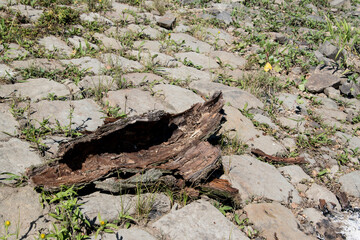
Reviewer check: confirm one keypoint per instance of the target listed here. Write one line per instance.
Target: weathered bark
(171, 145)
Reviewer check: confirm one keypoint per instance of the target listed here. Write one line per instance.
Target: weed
(104, 227)
(55, 19)
(232, 145)
(113, 112)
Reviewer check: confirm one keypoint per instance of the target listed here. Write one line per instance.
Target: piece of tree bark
(173, 144)
(270, 158)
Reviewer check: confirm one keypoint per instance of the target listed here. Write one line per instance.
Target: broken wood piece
(172, 144)
(220, 188)
(270, 158)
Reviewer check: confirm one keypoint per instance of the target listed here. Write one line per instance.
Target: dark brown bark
(172, 144)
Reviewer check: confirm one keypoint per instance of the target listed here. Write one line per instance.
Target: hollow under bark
(156, 146)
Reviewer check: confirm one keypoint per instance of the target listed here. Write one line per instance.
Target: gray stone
(327, 102)
(350, 183)
(313, 215)
(40, 63)
(117, 61)
(109, 43)
(98, 82)
(133, 101)
(290, 102)
(289, 144)
(8, 123)
(350, 89)
(229, 58)
(238, 126)
(328, 115)
(317, 192)
(150, 32)
(154, 58)
(110, 207)
(224, 17)
(6, 71)
(34, 88)
(95, 17)
(87, 63)
(215, 36)
(236, 97)
(142, 78)
(176, 98)
(22, 208)
(185, 74)
(121, 12)
(198, 220)
(332, 93)
(197, 59)
(15, 51)
(267, 144)
(191, 42)
(148, 45)
(293, 122)
(275, 221)
(265, 120)
(346, 4)
(54, 44)
(181, 28)
(126, 234)
(16, 156)
(354, 143)
(315, 18)
(79, 42)
(167, 21)
(255, 178)
(86, 113)
(330, 51)
(26, 11)
(295, 173)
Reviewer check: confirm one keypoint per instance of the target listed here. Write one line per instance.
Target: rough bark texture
(173, 146)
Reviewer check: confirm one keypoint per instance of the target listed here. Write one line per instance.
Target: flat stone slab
(273, 219)
(267, 144)
(16, 156)
(107, 42)
(110, 206)
(290, 101)
(317, 82)
(40, 63)
(86, 113)
(127, 234)
(142, 78)
(56, 45)
(15, 51)
(35, 89)
(185, 73)
(295, 174)
(117, 61)
(99, 82)
(154, 58)
(95, 17)
(255, 178)
(154, 46)
(21, 206)
(79, 42)
(317, 192)
(190, 42)
(350, 183)
(218, 36)
(6, 71)
(176, 98)
(133, 101)
(8, 123)
(199, 60)
(229, 58)
(198, 220)
(236, 97)
(87, 63)
(26, 11)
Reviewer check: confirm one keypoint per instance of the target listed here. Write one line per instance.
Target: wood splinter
(258, 152)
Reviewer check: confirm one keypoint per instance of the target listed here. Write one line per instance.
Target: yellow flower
(219, 32)
(100, 1)
(102, 223)
(74, 52)
(42, 236)
(7, 223)
(267, 67)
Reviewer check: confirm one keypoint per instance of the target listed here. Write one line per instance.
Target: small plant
(7, 234)
(104, 227)
(113, 112)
